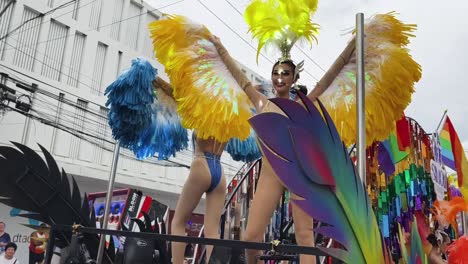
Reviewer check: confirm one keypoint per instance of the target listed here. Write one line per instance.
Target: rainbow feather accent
(306, 152)
(417, 250)
(130, 98)
(416, 254)
(208, 97)
(424, 230)
(281, 23)
(403, 245)
(391, 73)
(445, 212)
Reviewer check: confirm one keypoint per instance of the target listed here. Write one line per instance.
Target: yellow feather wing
(209, 100)
(391, 73)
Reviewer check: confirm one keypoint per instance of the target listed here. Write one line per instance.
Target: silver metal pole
(441, 124)
(360, 98)
(110, 189)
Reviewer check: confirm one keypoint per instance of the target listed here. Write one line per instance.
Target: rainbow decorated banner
(453, 154)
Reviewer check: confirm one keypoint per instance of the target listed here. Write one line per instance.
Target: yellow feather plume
(281, 23)
(209, 100)
(391, 73)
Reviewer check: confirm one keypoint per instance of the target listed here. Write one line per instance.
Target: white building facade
(72, 54)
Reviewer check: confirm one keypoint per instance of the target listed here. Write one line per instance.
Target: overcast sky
(440, 46)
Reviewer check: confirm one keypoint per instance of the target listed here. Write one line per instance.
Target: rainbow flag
(453, 154)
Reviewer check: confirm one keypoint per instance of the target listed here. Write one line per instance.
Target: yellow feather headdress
(281, 23)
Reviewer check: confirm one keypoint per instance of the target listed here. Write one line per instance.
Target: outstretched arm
(334, 70)
(258, 99)
(163, 85)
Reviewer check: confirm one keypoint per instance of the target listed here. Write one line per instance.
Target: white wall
(72, 67)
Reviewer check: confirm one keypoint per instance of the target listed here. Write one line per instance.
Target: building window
(148, 49)
(95, 18)
(99, 63)
(75, 63)
(62, 140)
(5, 19)
(102, 132)
(27, 40)
(76, 8)
(55, 49)
(133, 25)
(116, 19)
(119, 64)
(78, 125)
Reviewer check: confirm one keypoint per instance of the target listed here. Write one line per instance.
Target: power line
(58, 70)
(299, 48)
(313, 61)
(235, 32)
(248, 43)
(116, 22)
(44, 64)
(47, 21)
(45, 103)
(36, 17)
(82, 135)
(42, 82)
(93, 128)
(6, 7)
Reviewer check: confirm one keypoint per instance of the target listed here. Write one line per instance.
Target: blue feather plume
(130, 98)
(165, 136)
(246, 150)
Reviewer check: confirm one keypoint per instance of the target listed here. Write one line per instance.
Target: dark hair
(288, 62)
(303, 89)
(11, 245)
(1, 222)
(432, 238)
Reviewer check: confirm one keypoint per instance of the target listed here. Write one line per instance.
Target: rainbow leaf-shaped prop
(414, 252)
(306, 152)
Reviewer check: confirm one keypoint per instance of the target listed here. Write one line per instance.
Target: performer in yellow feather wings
(210, 102)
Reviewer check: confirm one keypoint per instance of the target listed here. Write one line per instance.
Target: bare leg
(237, 222)
(214, 207)
(267, 197)
(197, 183)
(304, 230)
